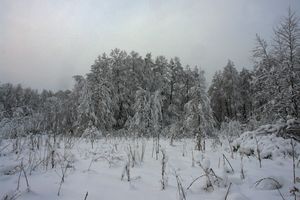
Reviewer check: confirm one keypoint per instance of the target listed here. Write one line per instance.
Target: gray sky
(43, 43)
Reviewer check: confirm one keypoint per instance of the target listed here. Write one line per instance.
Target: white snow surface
(102, 178)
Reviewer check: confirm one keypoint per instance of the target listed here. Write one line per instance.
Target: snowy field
(75, 170)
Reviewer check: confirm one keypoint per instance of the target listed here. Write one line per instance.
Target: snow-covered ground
(95, 173)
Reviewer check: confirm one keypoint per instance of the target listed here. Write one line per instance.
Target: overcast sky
(43, 43)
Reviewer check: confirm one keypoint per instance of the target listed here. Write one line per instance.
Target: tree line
(147, 96)
(121, 92)
(270, 91)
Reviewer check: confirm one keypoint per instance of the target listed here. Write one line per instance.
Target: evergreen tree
(287, 44)
(246, 95)
(101, 90)
(216, 93)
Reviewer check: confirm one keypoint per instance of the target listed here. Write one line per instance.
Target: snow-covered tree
(147, 120)
(265, 84)
(276, 81)
(225, 93)
(231, 90)
(187, 83)
(245, 109)
(156, 112)
(101, 90)
(287, 44)
(198, 113)
(120, 80)
(173, 75)
(82, 104)
(140, 122)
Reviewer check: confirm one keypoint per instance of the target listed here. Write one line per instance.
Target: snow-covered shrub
(270, 129)
(209, 180)
(19, 126)
(230, 129)
(216, 143)
(92, 133)
(271, 146)
(228, 132)
(272, 140)
(252, 124)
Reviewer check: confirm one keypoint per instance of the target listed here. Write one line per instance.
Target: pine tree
(147, 120)
(225, 94)
(140, 122)
(276, 78)
(120, 79)
(246, 95)
(82, 104)
(101, 91)
(217, 98)
(287, 44)
(231, 90)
